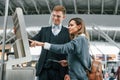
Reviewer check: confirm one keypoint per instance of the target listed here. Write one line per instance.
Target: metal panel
(20, 74)
(22, 46)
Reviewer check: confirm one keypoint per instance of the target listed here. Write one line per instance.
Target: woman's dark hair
(79, 21)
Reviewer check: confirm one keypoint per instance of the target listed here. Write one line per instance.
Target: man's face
(57, 17)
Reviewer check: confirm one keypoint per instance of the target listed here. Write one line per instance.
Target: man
(48, 66)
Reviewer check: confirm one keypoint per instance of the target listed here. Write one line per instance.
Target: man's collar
(57, 26)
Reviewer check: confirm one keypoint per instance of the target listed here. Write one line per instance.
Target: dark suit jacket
(45, 35)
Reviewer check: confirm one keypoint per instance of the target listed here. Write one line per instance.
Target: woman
(77, 49)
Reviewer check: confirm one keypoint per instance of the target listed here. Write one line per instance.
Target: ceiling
(31, 7)
(38, 7)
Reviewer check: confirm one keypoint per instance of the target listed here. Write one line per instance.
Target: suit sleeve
(37, 37)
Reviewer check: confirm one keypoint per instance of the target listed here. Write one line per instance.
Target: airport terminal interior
(102, 19)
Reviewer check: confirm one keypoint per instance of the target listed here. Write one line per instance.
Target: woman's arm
(73, 46)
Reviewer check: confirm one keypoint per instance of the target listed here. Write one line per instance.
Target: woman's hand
(67, 77)
(63, 63)
(34, 43)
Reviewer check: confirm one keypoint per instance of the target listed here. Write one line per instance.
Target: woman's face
(73, 27)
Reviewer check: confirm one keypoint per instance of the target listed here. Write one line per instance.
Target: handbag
(96, 71)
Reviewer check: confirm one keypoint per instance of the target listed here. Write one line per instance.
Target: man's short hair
(60, 8)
